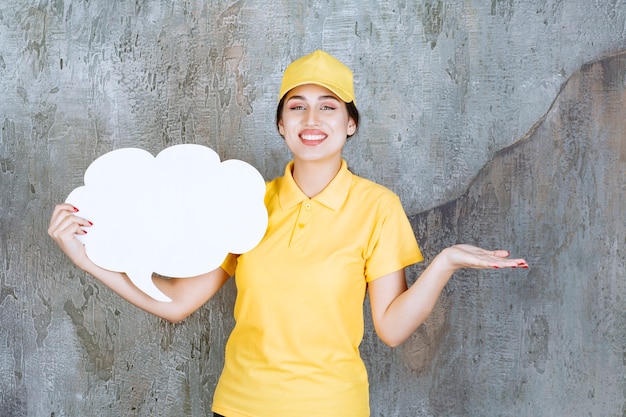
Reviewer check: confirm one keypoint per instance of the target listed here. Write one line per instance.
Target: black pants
(217, 415)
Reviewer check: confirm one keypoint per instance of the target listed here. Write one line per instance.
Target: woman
(331, 237)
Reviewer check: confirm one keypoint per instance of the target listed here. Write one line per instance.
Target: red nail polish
(496, 267)
(90, 223)
(75, 209)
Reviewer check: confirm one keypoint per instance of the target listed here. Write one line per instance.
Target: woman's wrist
(445, 262)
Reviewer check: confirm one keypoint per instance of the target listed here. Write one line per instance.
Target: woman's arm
(397, 311)
(187, 294)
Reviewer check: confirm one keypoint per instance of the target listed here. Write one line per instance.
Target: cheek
(344, 124)
(288, 126)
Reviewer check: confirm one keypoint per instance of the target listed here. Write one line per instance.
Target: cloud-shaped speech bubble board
(177, 214)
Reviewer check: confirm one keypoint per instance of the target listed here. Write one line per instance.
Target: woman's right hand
(187, 294)
(63, 228)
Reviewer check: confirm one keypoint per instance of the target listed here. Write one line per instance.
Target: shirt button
(307, 206)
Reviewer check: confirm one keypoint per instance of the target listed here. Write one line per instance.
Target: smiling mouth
(312, 137)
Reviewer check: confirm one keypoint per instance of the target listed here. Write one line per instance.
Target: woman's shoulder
(273, 184)
(372, 191)
(370, 186)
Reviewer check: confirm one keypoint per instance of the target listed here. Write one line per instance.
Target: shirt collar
(333, 196)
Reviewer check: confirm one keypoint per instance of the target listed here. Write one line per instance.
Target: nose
(311, 118)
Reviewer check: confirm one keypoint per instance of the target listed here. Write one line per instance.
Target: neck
(313, 177)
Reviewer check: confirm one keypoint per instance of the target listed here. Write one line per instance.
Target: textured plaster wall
(499, 123)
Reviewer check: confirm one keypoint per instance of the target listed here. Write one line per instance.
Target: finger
(510, 263)
(64, 207)
(67, 224)
(60, 212)
(60, 219)
(76, 224)
(501, 253)
(63, 211)
(521, 263)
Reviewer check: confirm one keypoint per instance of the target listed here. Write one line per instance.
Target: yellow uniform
(294, 350)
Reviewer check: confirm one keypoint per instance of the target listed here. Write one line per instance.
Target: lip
(312, 136)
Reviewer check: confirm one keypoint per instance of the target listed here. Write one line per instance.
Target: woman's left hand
(468, 256)
(398, 311)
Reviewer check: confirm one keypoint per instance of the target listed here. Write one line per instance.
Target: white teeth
(312, 137)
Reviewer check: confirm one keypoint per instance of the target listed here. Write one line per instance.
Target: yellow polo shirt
(294, 350)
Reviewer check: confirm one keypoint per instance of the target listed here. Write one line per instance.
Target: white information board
(177, 214)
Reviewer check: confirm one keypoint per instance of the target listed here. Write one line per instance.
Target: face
(315, 123)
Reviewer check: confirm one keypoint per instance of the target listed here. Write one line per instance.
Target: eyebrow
(320, 98)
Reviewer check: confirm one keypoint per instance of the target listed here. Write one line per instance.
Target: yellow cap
(322, 69)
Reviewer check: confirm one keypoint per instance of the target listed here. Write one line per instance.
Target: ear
(351, 126)
(281, 128)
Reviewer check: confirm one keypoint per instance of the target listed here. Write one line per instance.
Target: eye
(328, 107)
(296, 107)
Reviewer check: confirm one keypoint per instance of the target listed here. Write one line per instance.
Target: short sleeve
(393, 245)
(230, 264)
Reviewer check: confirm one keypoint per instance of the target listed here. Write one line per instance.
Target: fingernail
(90, 223)
(75, 209)
(496, 267)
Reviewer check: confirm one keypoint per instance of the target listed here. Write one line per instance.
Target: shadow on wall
(550, 339)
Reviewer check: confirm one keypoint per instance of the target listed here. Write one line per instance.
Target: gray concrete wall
(485, 117)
